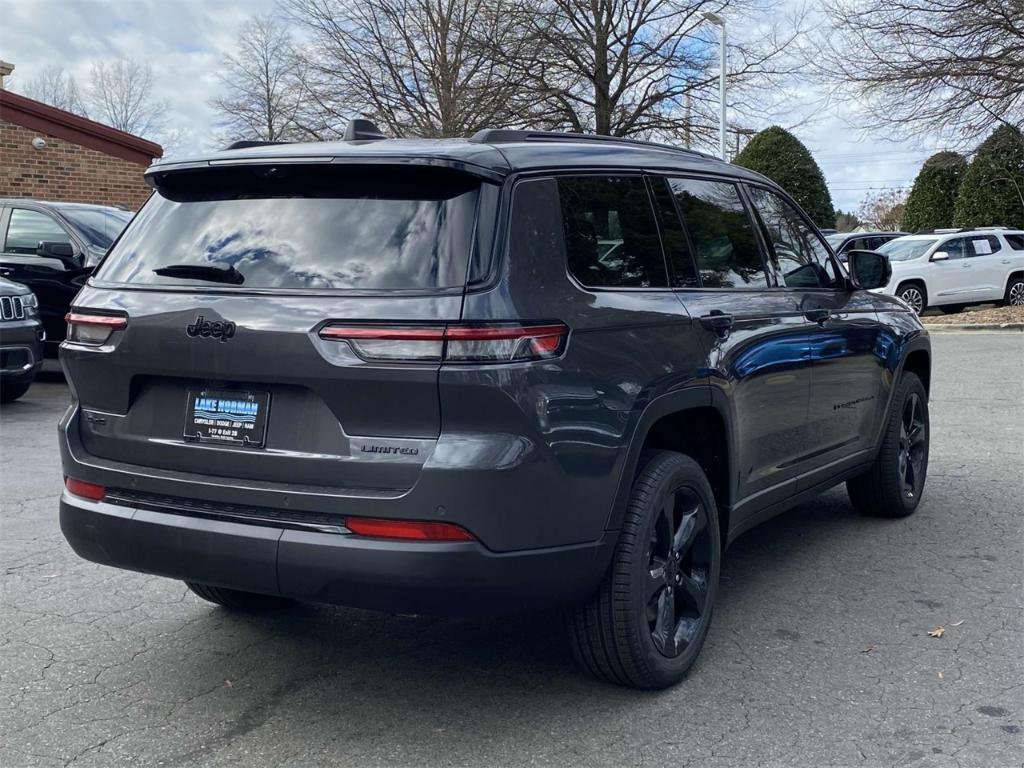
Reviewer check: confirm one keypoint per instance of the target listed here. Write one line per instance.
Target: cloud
(184, 40)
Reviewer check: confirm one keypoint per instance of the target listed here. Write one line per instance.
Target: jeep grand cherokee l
(479, 375)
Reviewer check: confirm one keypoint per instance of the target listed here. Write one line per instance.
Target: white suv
(952, 268)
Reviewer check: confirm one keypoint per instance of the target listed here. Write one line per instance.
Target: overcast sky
(183, 40)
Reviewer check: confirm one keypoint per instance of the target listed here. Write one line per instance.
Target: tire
(915, 295)
(621, 635)
(951, 309)
(894, 484)
(9, 392)
(1014, 296)
(236, 600)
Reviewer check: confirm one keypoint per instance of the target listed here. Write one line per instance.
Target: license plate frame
(227, 417)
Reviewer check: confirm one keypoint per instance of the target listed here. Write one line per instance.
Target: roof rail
(362, 130)
(999, 227)
(507, 136)
(246, 143)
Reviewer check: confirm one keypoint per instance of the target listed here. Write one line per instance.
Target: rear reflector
(407, 529)
(84, 489)
(92, 329)
(452, 343)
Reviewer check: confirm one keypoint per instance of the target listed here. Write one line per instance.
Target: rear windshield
(302, 227)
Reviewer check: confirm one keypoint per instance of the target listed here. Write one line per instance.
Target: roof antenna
(362, 130)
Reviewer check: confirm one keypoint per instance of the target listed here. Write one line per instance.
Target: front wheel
(647, 623)
(913, 295)
(1014, 296)
(895, 482)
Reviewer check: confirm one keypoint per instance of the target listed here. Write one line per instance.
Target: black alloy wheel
(678, 566)
(647, 623)
(913, 446)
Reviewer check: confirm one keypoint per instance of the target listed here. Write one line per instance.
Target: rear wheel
(914, 295)
(236, 600)
(647, 623)
(1014, 296)
(895, 482)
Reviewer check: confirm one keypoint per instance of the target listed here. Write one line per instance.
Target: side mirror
(868, 269)
(940, 256)
(65, 252)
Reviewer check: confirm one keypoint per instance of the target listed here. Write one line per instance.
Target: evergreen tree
(781, 157)
(931, 201)
(992, 190)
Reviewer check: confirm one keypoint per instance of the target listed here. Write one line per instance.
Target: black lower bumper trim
(458, 578)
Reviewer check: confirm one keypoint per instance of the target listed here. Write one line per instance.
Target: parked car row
(953, 269)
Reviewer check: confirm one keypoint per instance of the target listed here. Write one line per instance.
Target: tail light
(85, 490)
(452, 343)
(93, 330)
(414, 530)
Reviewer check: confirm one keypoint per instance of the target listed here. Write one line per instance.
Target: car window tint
(611, 237)
(982, 246)
(955, 248)
(27, 229)
(799, 253)
(724, 244)
(1015, 241)
(682, 270)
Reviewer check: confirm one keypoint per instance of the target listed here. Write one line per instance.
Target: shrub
(781, 157)
(931, 200)
(992, 190)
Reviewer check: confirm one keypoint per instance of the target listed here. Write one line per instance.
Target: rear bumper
(462, 578)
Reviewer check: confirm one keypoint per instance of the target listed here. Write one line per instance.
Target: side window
(955, 248)
(799, 253)
(860, 244)
(1015, 241)
(611, 237)
(724, 244)
(29, 228)
(682, 271)
(983, 246)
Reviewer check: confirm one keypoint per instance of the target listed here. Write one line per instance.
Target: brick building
(78, 160)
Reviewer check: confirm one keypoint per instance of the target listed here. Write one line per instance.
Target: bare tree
(883, 209)
(121, 95)
(263, 89)
(56, 87)
(948, 67)
(417, 67)
(644, 67)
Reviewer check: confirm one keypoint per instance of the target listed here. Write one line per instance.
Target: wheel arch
(693, 422)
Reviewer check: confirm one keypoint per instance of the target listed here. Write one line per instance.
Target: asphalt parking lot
(819, 654)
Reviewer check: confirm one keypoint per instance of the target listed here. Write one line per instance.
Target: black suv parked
(52, 248)
(479, 375)
(21, 340)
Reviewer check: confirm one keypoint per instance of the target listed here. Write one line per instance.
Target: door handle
(717, 320)
(818, 315)
(6, 271)
(1006, 261)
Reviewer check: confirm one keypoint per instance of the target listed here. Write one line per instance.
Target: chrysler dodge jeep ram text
(479, 375)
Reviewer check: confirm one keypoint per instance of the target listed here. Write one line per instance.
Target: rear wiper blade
(216, 273)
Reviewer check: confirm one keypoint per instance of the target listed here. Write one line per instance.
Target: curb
(933, 327)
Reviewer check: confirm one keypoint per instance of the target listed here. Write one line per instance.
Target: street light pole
(719, 22)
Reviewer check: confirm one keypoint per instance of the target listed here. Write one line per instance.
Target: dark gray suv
(480, 375)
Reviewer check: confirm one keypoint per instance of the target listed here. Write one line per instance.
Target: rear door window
(721, 233)
(983, 246)
(1015, 241)
(611, 236)
(340, 227)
